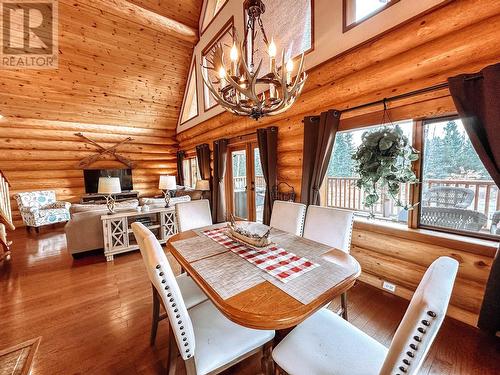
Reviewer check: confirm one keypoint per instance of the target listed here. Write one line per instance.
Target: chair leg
(343, 303)
(172, 353)
(156, 316)
(37, 230)
(267, 362)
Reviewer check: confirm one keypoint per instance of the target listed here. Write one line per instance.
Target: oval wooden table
(265, 306)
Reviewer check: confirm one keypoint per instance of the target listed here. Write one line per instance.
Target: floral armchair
(40, 208)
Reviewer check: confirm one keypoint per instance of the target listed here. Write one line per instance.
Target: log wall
(458, 37)
(119, 75)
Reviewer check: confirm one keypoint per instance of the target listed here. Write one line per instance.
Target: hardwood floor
(94, 316)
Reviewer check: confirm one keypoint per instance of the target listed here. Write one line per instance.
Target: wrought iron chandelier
(238, 88)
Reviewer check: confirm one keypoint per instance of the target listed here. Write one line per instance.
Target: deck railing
(342, 192)
(240, 182)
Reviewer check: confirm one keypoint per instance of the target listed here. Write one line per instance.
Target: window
(191, 172)
(213, 7)
(225, 38)
(190, 104)
(289, 23)
(357, 11)
(339, 187)
(457, 194)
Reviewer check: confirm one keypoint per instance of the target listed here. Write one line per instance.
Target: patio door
(245, 182)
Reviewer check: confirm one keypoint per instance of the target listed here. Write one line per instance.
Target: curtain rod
(407, 94)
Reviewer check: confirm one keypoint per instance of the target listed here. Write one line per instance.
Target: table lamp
(203, 186)
(166, 184)
(109, 186)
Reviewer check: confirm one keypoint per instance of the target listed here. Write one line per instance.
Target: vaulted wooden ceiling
(120, 62)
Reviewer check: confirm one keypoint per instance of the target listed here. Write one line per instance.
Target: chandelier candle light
(239, 89)
(109, 186)
(166, 184)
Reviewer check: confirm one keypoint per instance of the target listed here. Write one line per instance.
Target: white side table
(119, 237)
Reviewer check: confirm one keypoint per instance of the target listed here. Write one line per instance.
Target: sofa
(39, 208)
(84, 229)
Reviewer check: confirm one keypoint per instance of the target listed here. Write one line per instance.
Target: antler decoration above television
(103, 151)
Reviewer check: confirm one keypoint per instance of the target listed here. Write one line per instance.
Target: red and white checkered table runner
(277, 262)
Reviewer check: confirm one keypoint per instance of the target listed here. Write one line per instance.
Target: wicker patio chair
(453, 218)
(448, 196)
(495, 219)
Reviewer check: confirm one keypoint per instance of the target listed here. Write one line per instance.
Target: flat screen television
(91, 178)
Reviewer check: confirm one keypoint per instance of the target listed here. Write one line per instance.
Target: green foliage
(452, 155)
(341, 163)
(383, 161)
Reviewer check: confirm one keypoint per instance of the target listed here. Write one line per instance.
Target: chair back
(192, 215)
(448, 196)
(422, 319)
(35, 199)
(288, 216)
(162, 277)
(330, 226)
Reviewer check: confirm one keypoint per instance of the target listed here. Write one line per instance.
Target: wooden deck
(94, 316)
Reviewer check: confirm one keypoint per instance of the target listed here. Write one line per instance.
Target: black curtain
(319, 137)
(203, 156)
(477, 98)
(268, 149)
(180, 169)
(218, 190)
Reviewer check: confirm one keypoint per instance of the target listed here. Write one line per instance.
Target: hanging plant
(383, 163)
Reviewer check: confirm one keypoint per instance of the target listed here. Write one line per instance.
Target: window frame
(363, 214)
(419, 190)
(227, 27)
(195, 97)
(346, 27)
(208, 2)
(189, 161)
(415, 193)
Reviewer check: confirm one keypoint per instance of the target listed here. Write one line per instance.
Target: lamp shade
(167, 183)
(202, 185)
(109, 185)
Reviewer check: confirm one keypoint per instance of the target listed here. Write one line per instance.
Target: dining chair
(332, 227)
(206, 340)
(288, 216)
(192, 215)
(192, 294)
(327, 344)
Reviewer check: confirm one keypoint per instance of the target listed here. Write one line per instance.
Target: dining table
(247, 292)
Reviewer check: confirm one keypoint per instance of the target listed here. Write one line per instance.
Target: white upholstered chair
(194, 214)
(191, 293)
(288, 216)
(327, 344)
(205, 339)
(332, 227)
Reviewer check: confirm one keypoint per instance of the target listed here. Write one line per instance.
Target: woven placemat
(228, 274)
(314, 283)
(196, 248)
(298, 245)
